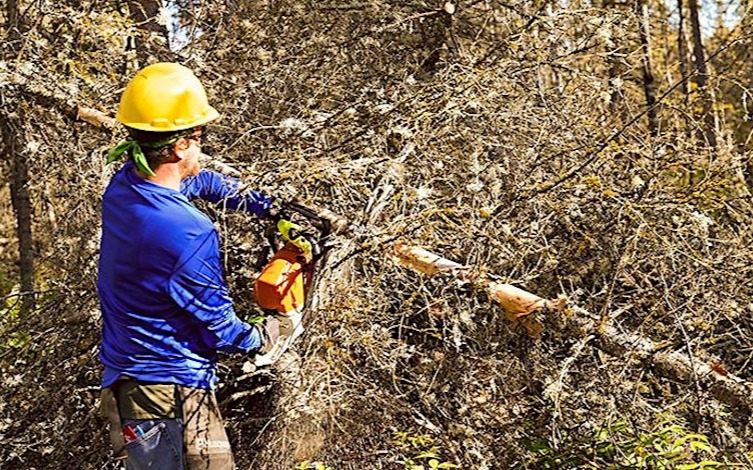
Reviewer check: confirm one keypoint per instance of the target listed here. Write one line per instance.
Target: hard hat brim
(210, 115)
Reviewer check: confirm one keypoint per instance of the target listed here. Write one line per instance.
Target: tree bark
(701, 80)
(672, 364)
(11, 9)
(682, 53)
(641, 10)
(144, 14)
(11, 125)
(21, 201)
(523, 307)
(614, 69)
(682, 49)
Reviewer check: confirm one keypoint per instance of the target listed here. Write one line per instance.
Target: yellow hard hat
(165, 97)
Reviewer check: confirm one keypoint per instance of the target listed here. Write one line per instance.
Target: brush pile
(496, 136)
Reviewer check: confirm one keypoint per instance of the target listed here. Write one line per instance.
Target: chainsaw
(287, 280)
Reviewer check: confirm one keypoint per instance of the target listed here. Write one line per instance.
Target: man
(165, 305)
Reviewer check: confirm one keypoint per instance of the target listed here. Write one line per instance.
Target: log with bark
(533, 313)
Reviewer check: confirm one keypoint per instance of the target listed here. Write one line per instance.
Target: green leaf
(601, 435)
(539, 446)
(19, 339)
(714, 464)
(696, 437)
(698, 445)
(671, 429)
(620, 426)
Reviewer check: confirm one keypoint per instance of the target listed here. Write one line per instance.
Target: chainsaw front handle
(292, 233)
(320, 223)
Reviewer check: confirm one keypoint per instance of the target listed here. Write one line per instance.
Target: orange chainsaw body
(282, 283)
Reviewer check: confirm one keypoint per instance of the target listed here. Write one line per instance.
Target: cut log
(516, 302)
(94, 117)
(424, 261)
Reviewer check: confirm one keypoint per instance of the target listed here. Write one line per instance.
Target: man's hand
(278, 211)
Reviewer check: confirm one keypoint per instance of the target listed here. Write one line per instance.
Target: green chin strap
(133, 147)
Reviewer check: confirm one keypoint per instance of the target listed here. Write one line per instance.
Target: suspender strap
(109, 407)
(178, 403)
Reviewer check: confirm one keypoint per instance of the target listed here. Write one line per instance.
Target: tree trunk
(144, 14)
(709, 128)
(11, 9)
(682, 49)
(614, 70)
(19, 179)
(439, 40)
(19, 190)
(641, 10)
(682, 53)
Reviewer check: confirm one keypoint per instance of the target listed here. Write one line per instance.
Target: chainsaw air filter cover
(281, 284)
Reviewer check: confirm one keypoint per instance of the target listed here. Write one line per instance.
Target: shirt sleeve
(198, 286)
(214, 187)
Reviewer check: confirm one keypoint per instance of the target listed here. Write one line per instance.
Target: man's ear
(179, 148)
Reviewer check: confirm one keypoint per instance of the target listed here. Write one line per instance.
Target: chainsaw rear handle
(270, 235)
(292, 233)
(322, 224)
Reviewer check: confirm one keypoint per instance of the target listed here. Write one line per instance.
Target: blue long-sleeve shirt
(165, 304)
